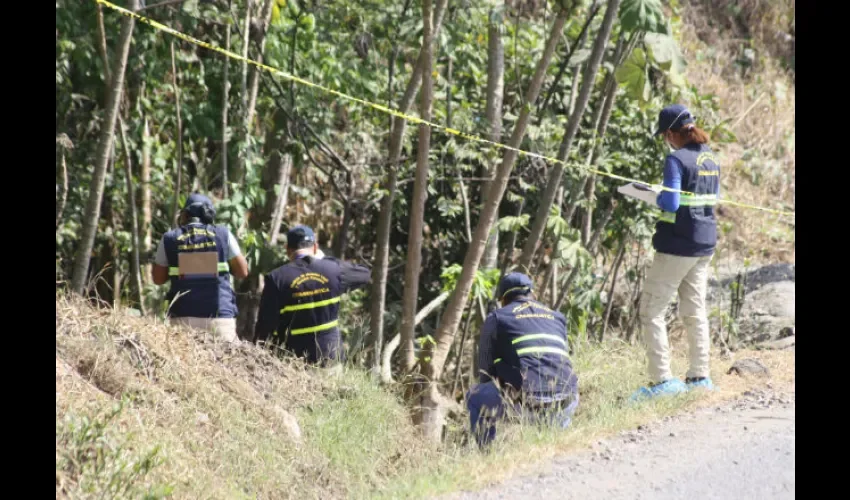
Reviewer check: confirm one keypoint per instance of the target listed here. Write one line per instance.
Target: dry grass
(219, 415)
(208, 420)
(759, 169)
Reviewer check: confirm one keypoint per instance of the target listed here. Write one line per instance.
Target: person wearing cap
(198, 258)
(299, 307)
(684, 241)
(524, 362)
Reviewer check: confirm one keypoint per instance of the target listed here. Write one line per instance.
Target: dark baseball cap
(299, 234)
(673, 117)
(197, 199)
(513, 283)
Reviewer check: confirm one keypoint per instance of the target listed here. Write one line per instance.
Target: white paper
(642, 192)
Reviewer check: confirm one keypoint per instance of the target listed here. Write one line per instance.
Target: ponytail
(691, 133)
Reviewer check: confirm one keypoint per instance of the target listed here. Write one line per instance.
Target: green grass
(203, 420)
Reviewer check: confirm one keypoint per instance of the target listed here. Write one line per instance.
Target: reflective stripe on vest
(543, 349)
(667, 217)
(314, 329)
(698, 200)
(309, 305)
(223, 267)
(534, 336)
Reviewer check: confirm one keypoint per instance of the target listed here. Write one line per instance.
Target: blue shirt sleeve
(669, 201)
(486, 348)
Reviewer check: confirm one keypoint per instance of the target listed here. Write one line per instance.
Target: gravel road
(744, 450)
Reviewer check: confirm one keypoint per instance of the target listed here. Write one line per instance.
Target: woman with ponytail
(684, 241)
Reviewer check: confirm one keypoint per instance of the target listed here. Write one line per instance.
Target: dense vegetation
(143, 119)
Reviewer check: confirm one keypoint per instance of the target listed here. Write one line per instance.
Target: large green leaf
(643, 15)
(633, 76)
(664, 52)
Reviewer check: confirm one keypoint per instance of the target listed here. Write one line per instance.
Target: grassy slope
(217, 418)
(758, 169)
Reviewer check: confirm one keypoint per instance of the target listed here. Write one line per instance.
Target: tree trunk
(382, 245)
(392, 345)
(420, 194)
(179, 132)
(225, 85)
(608, 307)
(63, 196)
(493, 114)
(253, 87)
(107, 134)
(136, 267)
(275, 177)
(554, 179)
(431, 416)
(145, 180)
(609, 95)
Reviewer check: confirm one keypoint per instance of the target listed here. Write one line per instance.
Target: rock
(748, 366)
(784, 343)
(289, 423)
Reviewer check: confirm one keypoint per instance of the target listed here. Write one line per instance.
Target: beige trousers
(689, 277)
(222, 328)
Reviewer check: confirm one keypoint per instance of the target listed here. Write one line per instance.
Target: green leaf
(579, 57)
(643, 15)
(633, 76)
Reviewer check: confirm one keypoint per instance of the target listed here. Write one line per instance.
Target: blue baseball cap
(299, 234)
(673, 117)
(513, 283)
(198, 205)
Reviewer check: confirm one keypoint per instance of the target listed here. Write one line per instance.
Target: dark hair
(516, 295)
(691, 133)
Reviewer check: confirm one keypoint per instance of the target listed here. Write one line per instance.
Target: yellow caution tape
(399, 114)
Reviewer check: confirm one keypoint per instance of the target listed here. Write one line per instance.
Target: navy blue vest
(310, 291)
(692, 230)
(206, 296)
(531, 352)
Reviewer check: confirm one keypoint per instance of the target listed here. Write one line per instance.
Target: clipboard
(642, 192)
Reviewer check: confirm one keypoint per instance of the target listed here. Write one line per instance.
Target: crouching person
(525, 363)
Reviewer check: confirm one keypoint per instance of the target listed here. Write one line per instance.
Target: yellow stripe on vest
(541, 350)
(223, 267)
(539, 336)
(314, 329)
(309, 305)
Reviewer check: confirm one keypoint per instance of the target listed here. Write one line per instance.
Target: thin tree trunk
(591, 247)
(282, 199)
(554, 179)
(609, 95)
(136, 266)
(179, 138)
(224, 107)
(246, 39)
(463, 336)
(392, 345)
(382, 246)
(582, 38)
(608, 307)
(420, 194)
(266, 17)
(431, 418)
(509, 251)
(63, 196)
(493, 114)
(104, 148)
(145, 178)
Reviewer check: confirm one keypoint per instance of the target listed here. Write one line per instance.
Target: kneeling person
(523, 347)
(299, 308)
